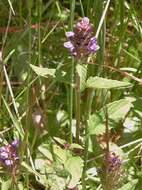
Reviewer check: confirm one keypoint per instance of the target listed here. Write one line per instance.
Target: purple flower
(92, 46)
(9, 155)
(71, 48)
(84, 26)
(8, 162)
(114, 162)
(69, 35)
(69, 45)
(15, 143)
(81, 42)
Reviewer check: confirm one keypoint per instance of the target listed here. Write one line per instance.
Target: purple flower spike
(9, 155)
(114, 162)
(81, 41)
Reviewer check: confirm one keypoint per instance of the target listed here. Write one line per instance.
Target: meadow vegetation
(70, 95)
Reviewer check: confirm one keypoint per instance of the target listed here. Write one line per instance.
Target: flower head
(8, 154)
(114, 162)
(81, 41)
(111, 170)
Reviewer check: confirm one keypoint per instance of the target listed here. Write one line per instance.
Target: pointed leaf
(116, 111)
(44, 150)
(104, 83)
(130, 185)
(44, 72)
(74, 166)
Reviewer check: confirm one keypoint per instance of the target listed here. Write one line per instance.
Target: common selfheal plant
(9, 154)
(81, 42)
(111, 171)
(114, 162)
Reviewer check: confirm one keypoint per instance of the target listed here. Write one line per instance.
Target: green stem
(72, 75)
(107, 180)
(20, 13)
(39, 30)
(25, 143)
(90, 95)
(77, 105)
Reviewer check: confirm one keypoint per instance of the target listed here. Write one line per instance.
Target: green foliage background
(36, 81)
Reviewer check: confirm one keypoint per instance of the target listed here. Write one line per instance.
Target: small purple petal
(4, 155)
(8, 162)
(92, 46)
(15, 143)
(84, 26)
(83, 23)
(69, 34)
(68, 45)
(85, 20)
(3, 149)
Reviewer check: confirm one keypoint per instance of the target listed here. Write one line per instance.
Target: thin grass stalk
(102, 18)
(20, 13)
(107, 181)
(90, 95)
(88, 7)
(122, 30)
(82, 9)
(11, 7)
(77, 105)
(39, 30)
(72, 4)
(5, 71)
(39, 7)
(27, 119)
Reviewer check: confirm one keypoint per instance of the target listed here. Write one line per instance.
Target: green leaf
(44, 150)
(61, 153)
(44, 72)
(95, 125)
(15, 121)
(76, 146)
(104, 83)
(130, 185)
(30, 170)
(82, 72)
(74, 166)
(116, 111)
(6, 185)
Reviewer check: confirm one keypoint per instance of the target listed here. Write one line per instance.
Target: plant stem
(72, 74)
(107, 181)
(90, 95)
(102, 18)
(27, 119)
(20, 13)
(39, 30)
(77, 102)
